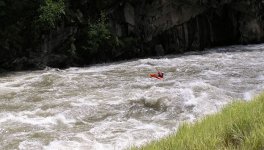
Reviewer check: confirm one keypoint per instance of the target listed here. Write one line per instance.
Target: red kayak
(153, 75)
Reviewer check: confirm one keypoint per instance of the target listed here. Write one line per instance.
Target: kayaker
(158, 75)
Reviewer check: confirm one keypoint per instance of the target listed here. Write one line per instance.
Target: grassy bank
(240, 125)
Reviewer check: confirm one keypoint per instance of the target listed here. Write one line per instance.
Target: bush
(96, 41)
(50, 13)
(98, 33)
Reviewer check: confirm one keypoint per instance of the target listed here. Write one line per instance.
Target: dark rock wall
(141, 28)
(176, 26)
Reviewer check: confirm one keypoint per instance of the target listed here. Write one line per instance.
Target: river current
(115, 106)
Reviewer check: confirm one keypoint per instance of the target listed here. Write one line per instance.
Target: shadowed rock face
(142, 28)
(179, 25)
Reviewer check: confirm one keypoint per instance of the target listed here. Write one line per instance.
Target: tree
(50, 13)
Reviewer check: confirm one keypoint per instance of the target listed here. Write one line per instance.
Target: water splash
(114, 106)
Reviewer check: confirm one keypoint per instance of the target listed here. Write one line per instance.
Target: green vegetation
(32, 32)
(17, 31)
(51, 12)
(2, 5)
(96, 40)
(63, 33)
(98, 33)
(239, 126)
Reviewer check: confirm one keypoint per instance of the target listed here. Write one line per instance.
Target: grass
(239, 126)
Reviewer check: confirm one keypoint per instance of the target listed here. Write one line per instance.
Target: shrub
(98, 33)
(50, 13)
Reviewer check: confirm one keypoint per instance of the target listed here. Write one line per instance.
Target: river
(114, 106)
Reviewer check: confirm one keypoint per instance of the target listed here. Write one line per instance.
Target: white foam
(188, 96)
(112, 94)
(79, 102)
(30, 145)
(66, 145)
(260, 77)
(25, 117)
(128, 133)
(248, 95)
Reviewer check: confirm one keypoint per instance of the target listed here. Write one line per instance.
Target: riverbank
(240, 125)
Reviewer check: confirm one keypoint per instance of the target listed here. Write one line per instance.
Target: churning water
(114, 106)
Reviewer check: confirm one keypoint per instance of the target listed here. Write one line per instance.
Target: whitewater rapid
(115, 106)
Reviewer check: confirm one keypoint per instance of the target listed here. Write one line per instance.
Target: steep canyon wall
(139, 28)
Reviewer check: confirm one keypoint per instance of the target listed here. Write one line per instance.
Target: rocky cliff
(172, 26)
(130, 29)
